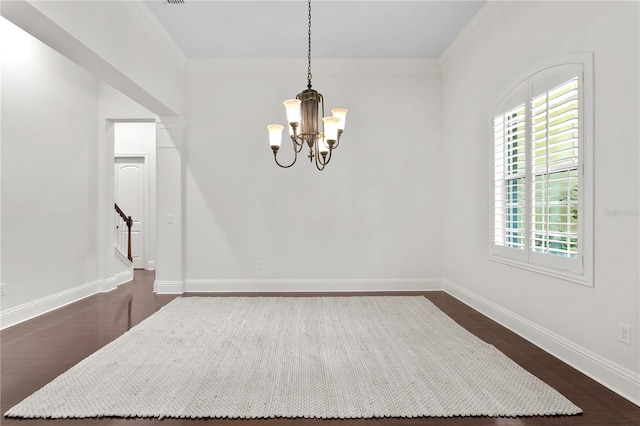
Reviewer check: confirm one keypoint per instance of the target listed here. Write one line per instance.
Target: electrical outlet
(1, 289)
(624, 333)
(258, 264)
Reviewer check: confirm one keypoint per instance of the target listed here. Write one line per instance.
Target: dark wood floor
(36, 351)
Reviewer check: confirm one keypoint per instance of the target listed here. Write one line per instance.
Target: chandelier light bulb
(275, 135)
(292, 106)
(330, 129)
(322, 146)
(341, 113)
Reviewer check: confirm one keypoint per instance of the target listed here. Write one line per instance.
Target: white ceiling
(340, 29)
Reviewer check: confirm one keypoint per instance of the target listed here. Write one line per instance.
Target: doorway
(130, 178)
(134, 181)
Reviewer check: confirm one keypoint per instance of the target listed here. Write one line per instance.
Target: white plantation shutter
(539, 186)
(509, 188)
(554, 170)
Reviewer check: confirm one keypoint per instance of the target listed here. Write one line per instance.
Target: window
(543, 171)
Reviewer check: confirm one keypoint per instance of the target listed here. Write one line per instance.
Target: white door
(130, 195)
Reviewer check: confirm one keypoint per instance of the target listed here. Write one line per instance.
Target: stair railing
(123, 232)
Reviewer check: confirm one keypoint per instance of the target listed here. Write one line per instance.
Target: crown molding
(158, 32)
(482, 19)
(320, 65)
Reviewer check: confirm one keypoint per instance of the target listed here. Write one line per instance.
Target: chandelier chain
(309, 51)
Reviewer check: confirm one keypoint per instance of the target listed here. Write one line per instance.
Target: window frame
(581, 270)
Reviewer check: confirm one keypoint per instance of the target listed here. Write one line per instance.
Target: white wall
(576, 322)
(49, 161)
(124, 45)
(373, 214)
(170, 205)
(135, 139)
(121, 42)
(57, 164)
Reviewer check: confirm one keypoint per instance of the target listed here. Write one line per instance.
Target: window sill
(552, 272)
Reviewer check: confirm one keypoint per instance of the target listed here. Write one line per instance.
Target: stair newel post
(129, 225)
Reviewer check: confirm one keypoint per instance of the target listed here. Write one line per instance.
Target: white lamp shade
(275, 134)
(330, 128)
(292, 106)
(341, 113)
(322, 147)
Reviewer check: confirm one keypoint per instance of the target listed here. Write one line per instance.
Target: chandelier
(302, 116)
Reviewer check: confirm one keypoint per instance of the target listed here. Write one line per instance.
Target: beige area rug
(322, 357)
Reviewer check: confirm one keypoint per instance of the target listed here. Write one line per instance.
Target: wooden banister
(129, 222)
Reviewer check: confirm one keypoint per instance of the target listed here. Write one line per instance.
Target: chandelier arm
(297, 146)
(275, 157)
(324, 161)
(329, 156)
(320, 163)
(295, 154)
(335, 145)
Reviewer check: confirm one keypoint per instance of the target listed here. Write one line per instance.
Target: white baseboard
(107, 285)
(123, 259)
(610, 374)
(168, 287)
(118, 279)
(30, 310)
(312, 285)
(27, 311)
(124, 277)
